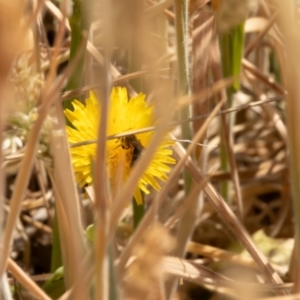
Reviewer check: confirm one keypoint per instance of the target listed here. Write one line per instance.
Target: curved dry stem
(26, 281)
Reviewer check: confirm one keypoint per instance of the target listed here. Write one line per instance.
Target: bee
(131, 142)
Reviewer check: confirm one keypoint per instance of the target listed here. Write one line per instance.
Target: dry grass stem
(26, 281)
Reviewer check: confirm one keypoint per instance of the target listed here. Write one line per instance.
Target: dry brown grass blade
(118, 80)
(234, 109)
(39, 225)
(217, 87)
(220, 254)
(260, 36)
(192, 272)
(66, 295)
(58, 60)
(231, 221)
(102, 201)
(57, 13)
(268, 81)
(25, 280)
(258, 24)
(42, 180)
(98, 57)
(256, 173)
(167, 12)
(201, 275)
(158, 8)
(277, 120)
(202, 29)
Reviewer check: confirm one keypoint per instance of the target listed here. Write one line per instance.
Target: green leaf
(55, 286)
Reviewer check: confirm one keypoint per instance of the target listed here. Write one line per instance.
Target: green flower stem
(231, 44)
(138, 212)
(56, 257)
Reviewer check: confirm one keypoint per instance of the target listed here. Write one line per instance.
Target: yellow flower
(124, 115)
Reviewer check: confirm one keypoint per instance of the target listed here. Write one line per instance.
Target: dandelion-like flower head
(124, 115)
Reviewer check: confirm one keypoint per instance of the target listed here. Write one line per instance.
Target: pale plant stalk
(68, 200)
(25, 280)
(5, 288)
(101, 203)
(290, 30)
(187, 222)
(101, 185)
